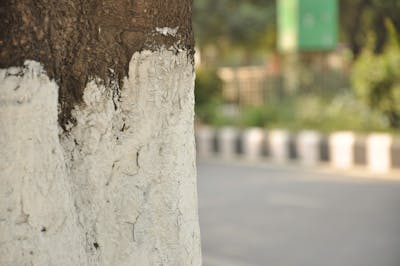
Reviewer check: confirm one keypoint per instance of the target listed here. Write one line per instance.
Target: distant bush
(270, 115)
(208, 95)
(376, 78)
(343, 112)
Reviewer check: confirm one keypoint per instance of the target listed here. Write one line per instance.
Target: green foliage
(312, 112)
(241, 21)
(271, 115)
(343, 112)
(248, 26)
(208, 94)
(358, 17)
(376, 77)
(242, 26)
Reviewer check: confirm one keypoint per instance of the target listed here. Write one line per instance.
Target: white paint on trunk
(167, 31)
(121, 185)
(37, 216)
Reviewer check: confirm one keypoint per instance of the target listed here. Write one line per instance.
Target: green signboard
(307, 24)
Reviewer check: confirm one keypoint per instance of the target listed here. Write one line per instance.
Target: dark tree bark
(79, 39)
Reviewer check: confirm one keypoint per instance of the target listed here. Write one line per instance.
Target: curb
(343, 150)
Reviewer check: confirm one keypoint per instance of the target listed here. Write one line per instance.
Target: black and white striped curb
(378, 152)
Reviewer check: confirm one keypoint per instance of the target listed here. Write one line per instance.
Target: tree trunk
(96, 132)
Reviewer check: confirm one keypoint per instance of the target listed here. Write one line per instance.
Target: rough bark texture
(118, 186)
(76, 40)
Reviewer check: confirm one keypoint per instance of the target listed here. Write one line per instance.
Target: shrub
(376, 77)
(343, 112)
(208, 95)
(346, 112)
(274, 114)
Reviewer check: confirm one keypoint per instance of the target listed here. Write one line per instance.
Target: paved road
(281, 216)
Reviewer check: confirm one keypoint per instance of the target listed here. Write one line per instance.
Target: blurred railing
(258, 85)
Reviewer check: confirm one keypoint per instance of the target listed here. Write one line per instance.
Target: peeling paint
(168, 31)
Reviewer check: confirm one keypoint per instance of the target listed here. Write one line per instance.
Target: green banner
(307, 25)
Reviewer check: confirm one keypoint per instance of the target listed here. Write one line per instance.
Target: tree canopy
(227, 24)
(249, 25)
(359, 17)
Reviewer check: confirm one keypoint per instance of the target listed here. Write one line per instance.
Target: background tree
(208, 94)
(376, 77)
(244, 28)
(96, 133)
(359, 17)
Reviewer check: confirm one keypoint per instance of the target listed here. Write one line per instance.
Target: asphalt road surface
(290, 216)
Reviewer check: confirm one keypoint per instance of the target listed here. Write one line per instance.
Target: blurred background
(298, 66)
(259, 62)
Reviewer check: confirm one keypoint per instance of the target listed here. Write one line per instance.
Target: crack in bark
(23, 217)
(133, 226)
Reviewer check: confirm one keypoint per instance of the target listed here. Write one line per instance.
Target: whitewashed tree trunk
(115, 187)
